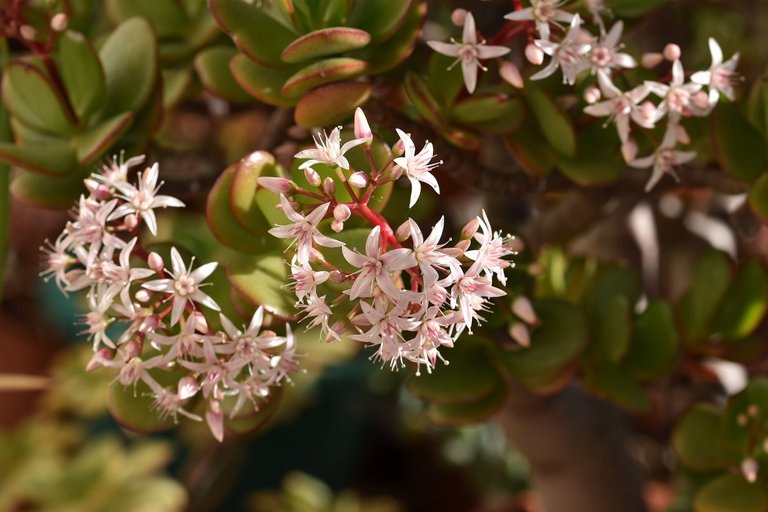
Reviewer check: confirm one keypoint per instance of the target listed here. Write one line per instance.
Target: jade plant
(542, 212)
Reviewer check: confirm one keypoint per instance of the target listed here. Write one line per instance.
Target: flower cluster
(144, 318)
(402, 292)
(572, 49)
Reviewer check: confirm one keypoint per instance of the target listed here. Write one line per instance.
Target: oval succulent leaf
(81, 73)
(380, 18)
(244, 187)
(731, 493)
(323, 72)
(95, 141)
(212, 66)
(331, 103)
(261, 280)
(167, 16)
(702, 442)
(739, 147)
(53, 157)
(455, 415)
(264, 84)
(324, 42)
(47, 191)
(554, 124)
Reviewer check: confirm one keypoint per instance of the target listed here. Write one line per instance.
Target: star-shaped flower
(620, 106)
(543, 12)
(304, 230)
(605, 54)
(663, 159)
(677, 95)
(417, 167)
(721, 75)
(469, 52)
(329, 150)
(569, 55)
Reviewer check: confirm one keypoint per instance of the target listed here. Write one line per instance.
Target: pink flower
(543, 12)
(677, 95)
(471, 290)
(721, 75)
(569, 55)
(386, 328)
(620, 106)
(605, 54)
(304, 230)
(417, 167)
(329, 150)
(663, 159)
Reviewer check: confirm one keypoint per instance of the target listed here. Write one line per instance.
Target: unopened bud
(329, 186)
(648, 111)
(27, 32)
(399, 148)
(403, 231)
(337, 276)
(187, 388)
(59, 22)
(629, 150)
(312, 177)
(131, 221)
(341, 212)
(131, 350)
(358, 180)
(672, 52)
(201, 324)
(315, 256)
(523, 309)
(276, 185)
(701, 100)
(463, 246)
(749, 469)
(753, 410)
(142, 295)
(519, 332)
(215, 420)
(534, 54)
(395, 172)
(511, 74)
(682, 135)
(469, 230)
(651, 60)
(592, 94)
(337, 226)
(155, 262)
(98, 358)
(362, 128)
(458, 16)
(742, 420)
(336, 329)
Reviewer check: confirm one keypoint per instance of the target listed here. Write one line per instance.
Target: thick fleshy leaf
(129, 59)
(703, 442)
(610, 282)
(654, 343)
(553, 123)
(81, 73)
(222, 221)
(709, 282)
(247, 420)
(422, 98)
(47, 191)
(55, 158)
(555, 344)
(261, 82)
(615, 384)
(531, 152)
(132, 408)
(758, 197)
(176, 83)
(385, 56)
(591, 168)
(757, 107)
(261, 280)
(739, 147)
(612, 332)
(167, 16)
(751, 402)
(445, 83)
(212, 66)
(487, 108)
(470, 376)
(324, 42)
(243, 191)
(744, 304)
(323, 72)
(95, 141)
(331, 103)
(455, 415)
(731, 493)
(257, 34)
(380, 18)
(31, 96)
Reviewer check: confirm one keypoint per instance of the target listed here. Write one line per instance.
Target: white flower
(329, 150)
(90, 224)
(184, 285)
(721, 75)
(306, 279)
(664, 159)
(568, 55)
(116, 171)
(377, 267)
(386, 331)
(316, 309)
(143, 199)
(620, 106)
(677, 95)
(470, 292)
(493, 249)
(543, 12)
(469, 52)
(427, 252)
(417, 167)
(120, 276)
(605, 54)
(304, 230)
(57, 261)
(185, 345)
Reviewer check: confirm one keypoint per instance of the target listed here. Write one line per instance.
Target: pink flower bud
(201, 324)
(98, 359)
(682, 135)
(131, 350)
(142, 295)
(749, 469)
(395, 172)
(672, 52)
(511, 74)
(59, 22)
(362, 129)
(399, 148)
(629, 150)
(337, 226)
(523, 309)
(312, 177)
(276, 185)
(358, 180)
(329, 186)
(336, 329)
(648, 111)
(462, 246)
(403, 231)
(337, 276)
(28, 32)
(315, 255)
(592, 94)
(519, 332)
(469, 230)
(701, 100)
(131, 221)
(534, 54)
(215, 420)
(341, 212)
(651, 60)
(187, 388)
(458, 16)
(155, 262)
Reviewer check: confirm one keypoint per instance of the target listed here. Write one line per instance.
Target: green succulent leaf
(132, 408)
(261, 280)
(421, 96)
(385, 56)
(553, 123)
(54, 157)
(95, 141)
(167, 16)
(324, 42)
(731, 493)
(331, 103)
(739, 147)
(129, 59)
(81, 73)
(613, 331)
(261, 82)
(47, 191)
(703, 442)
(480, 109)
(456, 415)
(531, 152)
(744, 304)
(176, 83)
(32, 97)
(615, 384)
(247, 420)
(245, 207)
(654, 343)
(323, 72)
(634, 8)
(212, 66)
(758, 197)
(709, 282)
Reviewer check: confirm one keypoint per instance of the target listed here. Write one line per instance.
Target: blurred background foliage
(198, 85)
